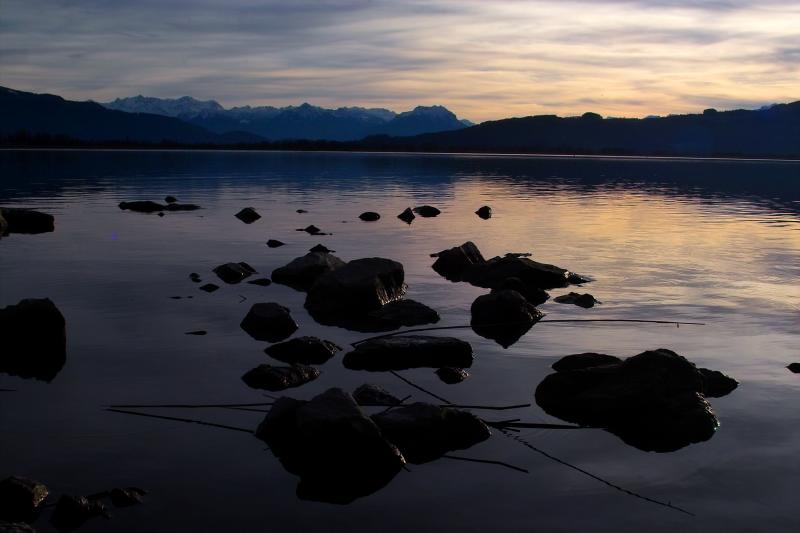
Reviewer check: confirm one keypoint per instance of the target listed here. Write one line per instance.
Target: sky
(483, 59)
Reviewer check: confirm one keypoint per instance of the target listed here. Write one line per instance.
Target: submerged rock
(424, 432)
(369, 394)
(407, 215)
(278, 378)
(585, 300)
(303, 350)
(232, 273)
(427, 211)
(369, 216)
(484, 212)
(209, 287)
(19, 220)
(302, 272)
(401, 352)
(73, 511)
(451, 375)
(503, 316)
(336, 450)
(34, 339)
(269, 322)
(453, 262)
(654, 401)
(274, 243)
(21, 499)
(248, 215)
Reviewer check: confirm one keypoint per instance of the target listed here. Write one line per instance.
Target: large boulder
(336, 450)
(495, 271)
(21, 499)
(654, 401)
(302, 272)
(19, 220)
(503, 316)
(34, 339)
(424, 432)
(358, 287)
(401, 352)
(270, 322)
(453, 262)
(303, 350)
(278, 378)
(234, 272)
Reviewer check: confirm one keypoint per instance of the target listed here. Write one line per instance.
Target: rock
(451, 375)
(716, 384)
(15, 527)
(127, 497)
(34, 339)
(21, 499)
(232, 273)
(401, 313)
(495, 271)
(484, 212)
(146, 206)
(503, 316)
(199, 332)
(312, 230)
(261, 282)
(401, 352)
(427, 211)
(19, 220)
(160, 213)
(407, 215)
(269, 322)
(452, 263)
(322, 249)
(301, 211)
(794, 367)
(209, 287)
(73, 511)
(171, 200)
(303, 350)
(580, 361)
(654, 401)
(356, 288)
(3, 225)
(369, 216)
(273, 243)
(181, 207)
(585, 300)
(534, 295)
(248, 215)
(336, 450)
(278, 378)
(368, 394)
(424, 432)
(195, 277)
(302, 272)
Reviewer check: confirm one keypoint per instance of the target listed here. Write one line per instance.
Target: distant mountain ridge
(296, 122)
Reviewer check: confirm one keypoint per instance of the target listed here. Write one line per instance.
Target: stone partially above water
(794, 367)
(278, 378)
(369, 394)
(232, 273)
(146, 206)
(303, 350)
(452, 376)
(33, 339)
(270, 322)
(453, 262)
(503, 316)
(585, 300)
(248, 215)
(427, 211)
(402, 313)
(21, 499)
(369, 216)
(484, 212)
(302, 272)
(407, 215)
(274, 243)
(400, 352)
(20, 220)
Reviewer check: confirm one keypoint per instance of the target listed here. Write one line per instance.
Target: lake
(716, 242)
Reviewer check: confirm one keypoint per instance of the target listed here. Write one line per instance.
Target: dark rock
(503, 316)
(495, 271)
(3, 225)
(176, 297)
(585, 300)
(484, 212)
(73, 511)
(15, 527)
(369, 216)
(234, 272)
(451, 375)
(579, 361)
(368, 394)
(273, 243)
(142, 206)
(336, 450)
(209, 287)
(171, 200)
(407, 215)
(321, 248)
(248, 215)
(312, 230)
(303, 350)
(160, 213)
(401, 313)
(302, 272)
(127, 497)
(653, 401)
(19, 220)
(356, 288)
(577, 279)
(261, 282)
(794, 367)
(534, 295)
(409, 351)
(181, 207)
(195, 277)
(452, 263)
(34, 339)
(424, 432)
(301, 211)
(716, 384)
(427, 211)
(278, 378)
(269, 322)
(21, 499)
(198, 332)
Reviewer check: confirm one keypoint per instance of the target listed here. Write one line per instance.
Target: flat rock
(34, 339)
(401, 352)
(278, 378)
(20, 220)
(579, 361)
(585, 300)
(232, 273)
(484, 212)
(451, 375)
(72, 512)
(336, 450)
(209, 287)
(369, 216)
(407, 215)
(302, 272)
(453, 262)
(248, 215)
(270, 322)
(369, 394)
(274, 243)
(427, 211)
(503, 316)
(495, 271)
(402, 313)
(21, 499)
(303, 350)
(424, 432)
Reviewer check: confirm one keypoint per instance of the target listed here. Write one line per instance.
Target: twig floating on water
(488, 462)
(491, 407)
(187, 405)
(515, 424)
(420, 388)
(185, 420)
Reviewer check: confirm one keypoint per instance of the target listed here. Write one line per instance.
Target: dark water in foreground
(717, 242)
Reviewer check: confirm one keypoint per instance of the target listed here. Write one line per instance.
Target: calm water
(717, 242)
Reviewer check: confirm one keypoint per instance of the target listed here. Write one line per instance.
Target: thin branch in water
(177, 419)
(426, 391)
(249, 409)
(488, 462)
(399, 403)
(500, 424)
(490, 407)
(187, 405)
